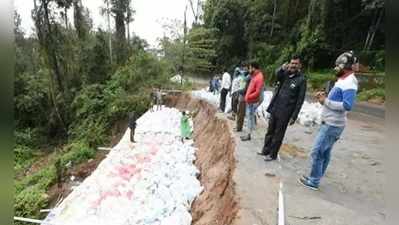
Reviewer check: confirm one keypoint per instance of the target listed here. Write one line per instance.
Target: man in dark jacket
(284, 106)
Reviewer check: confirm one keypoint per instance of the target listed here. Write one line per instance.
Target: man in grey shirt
(335, 107)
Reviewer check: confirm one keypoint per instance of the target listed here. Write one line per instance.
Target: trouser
(275, 135)
(234, 103)
(321, 152)
(132, 134)
(223, 95)
(251, 114)
(240, 113)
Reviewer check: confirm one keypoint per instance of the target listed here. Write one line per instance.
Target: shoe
(305, 177)
(308, 184)
(268, 158)
(230, 118)
(261, 153)
(237, 130)
(246, 138)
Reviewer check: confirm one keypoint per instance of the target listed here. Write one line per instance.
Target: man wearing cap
(335, 107)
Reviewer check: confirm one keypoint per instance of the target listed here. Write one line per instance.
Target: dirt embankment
(215, 159)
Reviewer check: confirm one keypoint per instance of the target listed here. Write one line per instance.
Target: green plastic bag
(185, 127)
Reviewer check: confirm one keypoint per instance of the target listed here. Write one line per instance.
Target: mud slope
(215, 159)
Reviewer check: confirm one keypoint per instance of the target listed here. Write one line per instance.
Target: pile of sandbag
(152, 183)
(177, 79)
(309, 115)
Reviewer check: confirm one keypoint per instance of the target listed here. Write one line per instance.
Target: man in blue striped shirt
(339, 101)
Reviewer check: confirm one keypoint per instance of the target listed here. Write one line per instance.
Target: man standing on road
(235, 87)
(245, 78)
(226, 84)
(335, 107)
(284, 106)
(253, 97)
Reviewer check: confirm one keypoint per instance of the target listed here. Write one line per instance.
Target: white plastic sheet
(153, 183)
(177, 79)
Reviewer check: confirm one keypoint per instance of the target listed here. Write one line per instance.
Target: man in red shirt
(253, 97)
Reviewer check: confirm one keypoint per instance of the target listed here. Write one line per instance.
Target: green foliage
(271, 31)
(76, 153)
(318, 80)
(23, 158)
(200, 51)
(29, 201)
(372, 94)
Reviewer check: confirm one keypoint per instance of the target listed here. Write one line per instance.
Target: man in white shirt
(226, 84)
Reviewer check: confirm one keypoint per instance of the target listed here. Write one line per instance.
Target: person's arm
(280, 74)
(346, 104)
(299, 101)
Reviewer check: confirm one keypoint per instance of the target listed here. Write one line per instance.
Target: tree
(107, 11)
(65, 4)
(81, 19)
(227, 17)
(120, 8)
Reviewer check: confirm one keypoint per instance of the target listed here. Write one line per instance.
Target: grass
(30, 192)
(318, 79)
(376, 95)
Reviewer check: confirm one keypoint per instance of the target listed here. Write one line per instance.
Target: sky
(148, 20)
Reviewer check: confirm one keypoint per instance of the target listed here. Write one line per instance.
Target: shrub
(77, 152)
(376, 93)
(29, 201)
(23, 157)
(318, 80)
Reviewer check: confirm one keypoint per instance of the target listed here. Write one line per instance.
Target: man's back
(226, 81)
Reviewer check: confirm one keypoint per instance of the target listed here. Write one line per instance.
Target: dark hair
(296, 57)
(254, 64)
(184, 113)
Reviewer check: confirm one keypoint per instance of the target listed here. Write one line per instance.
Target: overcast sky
(148, 19)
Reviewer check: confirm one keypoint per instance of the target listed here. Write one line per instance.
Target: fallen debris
(270, 174)
(27, 220)
(104, 149)
(307, 217)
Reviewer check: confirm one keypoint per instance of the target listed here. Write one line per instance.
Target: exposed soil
(215, 160)
(292, 151)
(81, 171)
(376, 100)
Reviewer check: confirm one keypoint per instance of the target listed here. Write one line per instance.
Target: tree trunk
(109, 32)
(377, 25)
(66, 17)
(48, 46)
(184, 45)
(273, 18)
(51, 49)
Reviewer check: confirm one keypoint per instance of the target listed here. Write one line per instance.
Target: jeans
(251, 112)
(321, 151)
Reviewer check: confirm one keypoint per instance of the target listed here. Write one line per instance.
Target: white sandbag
(154, 183)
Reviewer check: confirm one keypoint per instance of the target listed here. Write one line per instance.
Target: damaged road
(351, 192)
